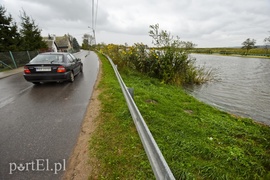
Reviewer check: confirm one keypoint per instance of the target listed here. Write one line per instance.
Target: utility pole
(93, 21)
(93, 13)
(94, 34)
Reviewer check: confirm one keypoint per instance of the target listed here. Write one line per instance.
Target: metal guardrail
(157, 161)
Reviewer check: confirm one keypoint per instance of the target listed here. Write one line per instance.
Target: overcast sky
(207, 23)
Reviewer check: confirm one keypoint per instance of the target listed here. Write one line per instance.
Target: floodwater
(241, 86)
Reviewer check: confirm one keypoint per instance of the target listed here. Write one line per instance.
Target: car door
(77, 64)
(72, 63)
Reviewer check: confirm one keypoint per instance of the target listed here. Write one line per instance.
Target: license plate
(39, 69)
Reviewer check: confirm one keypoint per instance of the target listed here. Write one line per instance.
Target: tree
(249, 44)
(76, 45)
(9, 36)
(266, 42)
(30, 34)
(188, 45)
(86, 41)
(170, 61)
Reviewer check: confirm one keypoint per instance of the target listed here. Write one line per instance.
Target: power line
(94, 18)
(96, 15)
(93, 12)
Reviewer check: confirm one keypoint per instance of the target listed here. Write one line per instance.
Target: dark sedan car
(52, 67)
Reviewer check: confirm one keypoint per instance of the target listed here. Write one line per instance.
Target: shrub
(168, 61)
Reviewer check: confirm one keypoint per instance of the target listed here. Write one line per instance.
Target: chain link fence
(13, 60)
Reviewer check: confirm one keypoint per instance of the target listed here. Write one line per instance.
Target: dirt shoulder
(78, 165)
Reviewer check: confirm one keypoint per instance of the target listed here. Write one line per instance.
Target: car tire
(81, 69)
(71, 78)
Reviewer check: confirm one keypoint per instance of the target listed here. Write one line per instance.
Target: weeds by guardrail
(157, 161)
(12, 60)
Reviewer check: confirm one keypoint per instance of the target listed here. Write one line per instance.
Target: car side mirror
(78, 60)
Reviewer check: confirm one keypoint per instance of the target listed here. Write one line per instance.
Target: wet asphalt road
(39, 125)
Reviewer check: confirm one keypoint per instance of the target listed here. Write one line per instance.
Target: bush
(168, 61)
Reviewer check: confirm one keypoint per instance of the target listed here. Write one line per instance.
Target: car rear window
(48, 59)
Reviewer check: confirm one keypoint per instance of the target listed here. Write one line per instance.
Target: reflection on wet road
(39, 125)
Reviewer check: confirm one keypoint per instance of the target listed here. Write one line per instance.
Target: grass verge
(197, 140)
(115, 145)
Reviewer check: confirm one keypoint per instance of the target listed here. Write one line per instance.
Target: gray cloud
(206, 23)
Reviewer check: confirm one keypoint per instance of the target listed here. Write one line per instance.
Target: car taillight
(26, 70)
(61, 69)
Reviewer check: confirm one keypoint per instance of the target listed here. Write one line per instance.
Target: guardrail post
(131, 92)
(11, 55)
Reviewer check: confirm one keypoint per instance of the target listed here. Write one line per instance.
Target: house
(64, 43)
(52, 47)
(59, 44)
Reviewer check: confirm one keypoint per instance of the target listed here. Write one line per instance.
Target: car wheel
(71, 78)
(36, 83)
(81, 69)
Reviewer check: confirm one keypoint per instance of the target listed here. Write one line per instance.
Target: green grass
(197, 140)
(115, 144)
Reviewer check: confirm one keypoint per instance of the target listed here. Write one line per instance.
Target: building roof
(62, 42)
(49, 43)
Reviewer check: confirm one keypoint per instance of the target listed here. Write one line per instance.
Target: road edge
(79, 166)
(8, 73)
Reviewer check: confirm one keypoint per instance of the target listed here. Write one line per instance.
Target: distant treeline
(260, 51)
